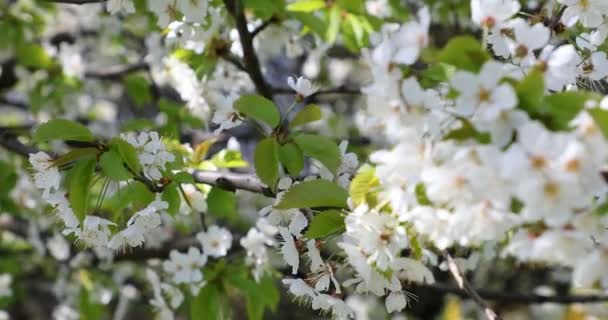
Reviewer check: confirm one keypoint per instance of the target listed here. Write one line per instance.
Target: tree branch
(338, 90)
(263, 26)
(252, 64)
(468, 289)
(116, 72)
(76, 1)
(516, 297)
(234, 60)
(232, 181)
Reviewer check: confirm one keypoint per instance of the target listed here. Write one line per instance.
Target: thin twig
(14, 103)
(76, 1)
(263, 26)
(116, 72)
(516, 297)
(251, 62)
(338, 90)
(463, 284)
(234, 60)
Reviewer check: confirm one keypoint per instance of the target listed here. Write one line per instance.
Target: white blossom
(216, 241)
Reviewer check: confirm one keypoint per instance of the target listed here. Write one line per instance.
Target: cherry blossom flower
(588, 12)
(483, 95)
(302, 86)
(185, 267)
(490, 13)
(216, 241)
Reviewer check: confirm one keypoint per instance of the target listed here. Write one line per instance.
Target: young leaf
(79, 186)
(562, 107)
(183, 177)
(113, 167)
(325, 224)
(210, 303)
(138, 89)
(62, 129)
(464, 53)
(314, 193)
(531, 91)
(306, 5)
(361, 188)
(259, 109)
(127, 152)
(172, 197)
(221, 203)
(266, 159)
(334, 24)
(33, 56)
(600, 116)
(291, 158)
(310, 113)
(320, 148)
(421, 195)
(75, 155)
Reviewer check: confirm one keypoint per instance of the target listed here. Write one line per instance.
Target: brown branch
(232, 181)
(76, 1)
(234, 60)
(464, 285)
(9, 141)
(516, 298)
(263, 26)
(116, 72)
(338, 90)
(252, 64)
(13, 103)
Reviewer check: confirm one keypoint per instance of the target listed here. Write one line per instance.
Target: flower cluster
(95, 231)
(515, 174)
(186, 269)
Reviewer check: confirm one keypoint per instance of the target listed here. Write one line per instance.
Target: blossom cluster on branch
(218, 160)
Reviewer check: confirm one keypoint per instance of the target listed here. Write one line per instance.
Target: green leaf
(265, 9)
(314, 193)
(261, 295)
(291, 158)
(127, 152)
(62, 129)
(464, 53)
(259, 109)
(8, 176)
(311, 22)
(325, 224)
(75, 155)
(210, 303)
(266, 160)
(562, 107)
(79, 188)
(222, 203)
(435, 74)
(183, 177)
(531, 91)
(467, 131)
(138, 88)
(33, 56)
(334, 24)
(310, 113)
(600, 116)
(306, 5)
(421, 195)
(172, 197)
(363, 184)
(320, 148)
(229, 159)
(134, 193)
(113, 166)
